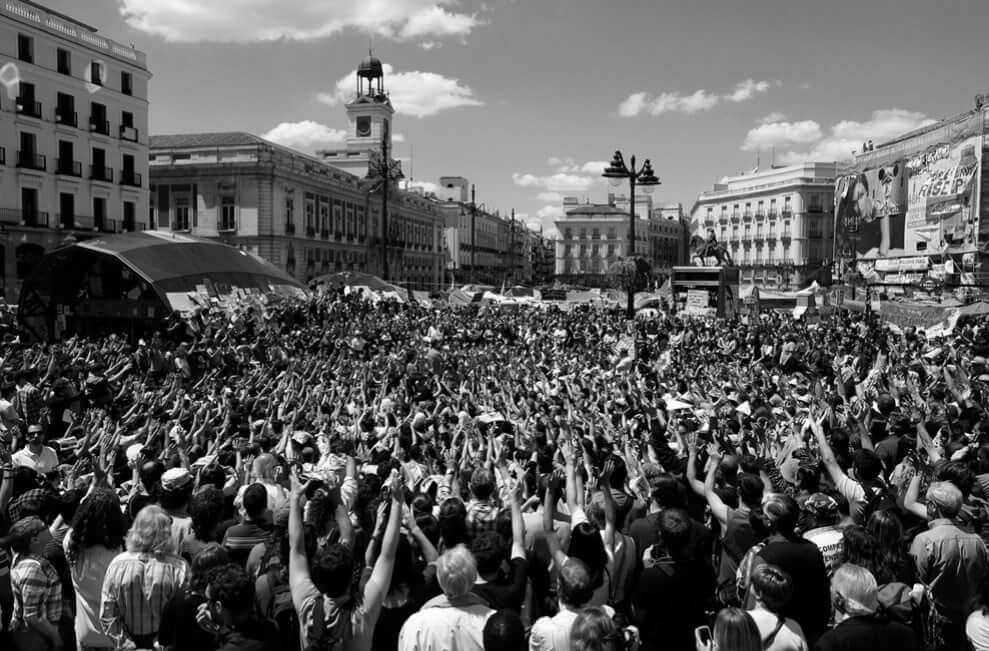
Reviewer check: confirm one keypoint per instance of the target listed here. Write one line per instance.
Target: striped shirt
(135, 591)
(240, 539)
(37, 592)
(482, 515)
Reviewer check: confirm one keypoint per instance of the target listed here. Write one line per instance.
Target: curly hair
(206, 510)
(209, 558)
(97, 521)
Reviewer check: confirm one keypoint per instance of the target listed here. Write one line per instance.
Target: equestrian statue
(702, 249)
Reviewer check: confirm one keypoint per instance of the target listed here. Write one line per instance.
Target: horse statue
(701, 249)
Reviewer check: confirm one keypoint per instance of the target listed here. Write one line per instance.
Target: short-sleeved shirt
(44, 462)
(852, 491)
(37, 591)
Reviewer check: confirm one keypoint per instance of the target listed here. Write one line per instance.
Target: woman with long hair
(91, 543)
(734, 630)
(858, 547)
(891, 560)
(141, 580)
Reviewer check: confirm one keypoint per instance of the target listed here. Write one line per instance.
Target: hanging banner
(698, 301)
(925, 203)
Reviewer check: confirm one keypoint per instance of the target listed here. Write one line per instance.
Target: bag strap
(768, 641)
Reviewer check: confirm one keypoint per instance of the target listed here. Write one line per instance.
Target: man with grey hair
(858, 627)
(455, 620)
(950, 562)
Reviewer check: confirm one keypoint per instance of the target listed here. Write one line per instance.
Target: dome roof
(370, 67)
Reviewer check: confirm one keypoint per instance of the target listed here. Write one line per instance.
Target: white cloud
(775, 116)
(398, 137)
(429, 45)
(262, 20)
(550, 197)
(677, 102)
(559, 182)
(418, 94)
(633, 105)
(594, 167)
(848, 135)
(782, 134)
(746, 90)
(549, 213)
(307, 136)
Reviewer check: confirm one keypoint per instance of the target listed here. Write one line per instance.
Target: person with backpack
(864, 488)
(771, 589)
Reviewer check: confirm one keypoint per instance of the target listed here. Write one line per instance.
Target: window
(65, 109)
(96, 73)
(64, 62)
(228, 214)
(126, 83)
(181, 221)
(126, 119)
(129, 225)
(290, 211)
(25, 48)
(568, 234)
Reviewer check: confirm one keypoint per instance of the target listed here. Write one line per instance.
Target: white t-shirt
(829, 541)
(852, 491)
(44, 462)
(789, 638)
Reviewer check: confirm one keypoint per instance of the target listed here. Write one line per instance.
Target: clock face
(364, 126)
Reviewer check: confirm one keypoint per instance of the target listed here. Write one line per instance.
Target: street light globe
(647, 189)
(615, 181)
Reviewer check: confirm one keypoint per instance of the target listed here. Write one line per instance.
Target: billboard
(922, 204)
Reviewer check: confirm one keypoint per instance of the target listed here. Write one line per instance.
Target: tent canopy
(140, 276)
(173, 262)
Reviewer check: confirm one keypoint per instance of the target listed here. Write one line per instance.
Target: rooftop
(66, 27)
(199, 140)
(596, 209)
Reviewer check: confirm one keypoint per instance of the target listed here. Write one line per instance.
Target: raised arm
(552, 540)
(610, 509)
(718, 508)
(377, 586)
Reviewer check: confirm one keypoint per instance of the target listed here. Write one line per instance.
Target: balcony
(786, 236)
(771, 236)
(325, 233)
(311, 231)
(66, 117)
(815, 210)
(29, 160)
(100, 173)
(128, 133)
(74, 222)
(735, 217)
(723, 219)
(34, 219)
(227, 226)
(289, 228)
(709, 222)
(747, 216)
(786, 213)
(337, 235)
(28, 107)
(760, 215)
(104, 225)
(68, 167)
(131, 178)
(101, 127)
(759, 238)
(772, 214)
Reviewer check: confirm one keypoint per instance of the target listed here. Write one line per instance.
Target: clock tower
(369, 115)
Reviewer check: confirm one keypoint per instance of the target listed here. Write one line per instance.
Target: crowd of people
(330, 473)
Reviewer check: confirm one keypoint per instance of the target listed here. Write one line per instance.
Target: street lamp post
(384, 172)
(645, 177)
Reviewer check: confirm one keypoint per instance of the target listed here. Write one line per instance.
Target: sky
(528, 99)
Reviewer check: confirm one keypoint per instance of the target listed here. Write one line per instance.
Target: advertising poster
(919, 205)
(698, 301)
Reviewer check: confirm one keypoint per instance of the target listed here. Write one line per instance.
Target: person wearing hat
(951, 562)
(36, 585)
(821, 527)
(36, 455)
(859, 626)
(176, 491)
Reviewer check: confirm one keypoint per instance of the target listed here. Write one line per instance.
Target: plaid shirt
(28, 402)
(135, 590)
(37, 592)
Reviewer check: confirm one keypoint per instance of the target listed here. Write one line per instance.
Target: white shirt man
(36, 455)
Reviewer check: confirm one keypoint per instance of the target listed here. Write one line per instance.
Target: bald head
(264, 467)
